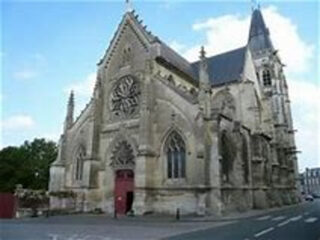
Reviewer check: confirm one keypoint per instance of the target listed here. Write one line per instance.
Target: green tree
(27, 164)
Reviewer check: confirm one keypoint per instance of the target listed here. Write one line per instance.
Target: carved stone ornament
(125, 97)
(122, 155)
(225, 104)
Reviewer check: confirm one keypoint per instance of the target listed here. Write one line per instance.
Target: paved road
(90, 227)
(300, 222)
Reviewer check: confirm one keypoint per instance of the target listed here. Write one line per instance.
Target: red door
(7, 205)
(123, 192)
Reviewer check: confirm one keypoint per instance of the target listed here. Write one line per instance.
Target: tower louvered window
(176, 156)
(266, 76)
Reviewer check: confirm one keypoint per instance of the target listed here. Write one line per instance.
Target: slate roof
(172, 57)
(224, 68)
(259, 36)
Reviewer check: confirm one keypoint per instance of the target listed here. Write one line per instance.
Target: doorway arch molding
(122, 153)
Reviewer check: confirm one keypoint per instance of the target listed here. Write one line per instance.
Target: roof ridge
(176, 52)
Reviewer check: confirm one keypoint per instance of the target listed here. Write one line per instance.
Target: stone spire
(255, 5)
(259, 36)
(203, 71)
(70, 110)
(204, 85)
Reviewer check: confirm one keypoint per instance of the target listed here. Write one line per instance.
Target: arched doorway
(123, 162)
(124, 191)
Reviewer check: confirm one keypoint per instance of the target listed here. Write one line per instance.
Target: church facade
(161, 133)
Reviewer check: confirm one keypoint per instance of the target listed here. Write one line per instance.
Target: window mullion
(173, 164)
(179, 163)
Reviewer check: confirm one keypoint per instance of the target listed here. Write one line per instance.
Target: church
(161, 133)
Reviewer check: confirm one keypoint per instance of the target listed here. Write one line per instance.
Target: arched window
(175, 149)
(80, 156)
(266, 76)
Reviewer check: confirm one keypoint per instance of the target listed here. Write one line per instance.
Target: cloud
(221, 33)
(306, 115)
(18, 122)
(34, 65)
(286, 38)
(228, 32)
(177, 46)
(83, 88)
(25, 74)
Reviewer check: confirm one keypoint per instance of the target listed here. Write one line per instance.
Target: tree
(27, 164)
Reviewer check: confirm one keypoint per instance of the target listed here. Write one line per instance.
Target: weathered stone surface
(237, 151)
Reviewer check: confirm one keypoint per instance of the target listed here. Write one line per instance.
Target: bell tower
(270, 73)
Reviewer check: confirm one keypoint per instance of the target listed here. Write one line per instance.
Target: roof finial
(128, 6)
(70, 110)
(71, 97)
(255, 5)
(202, 53)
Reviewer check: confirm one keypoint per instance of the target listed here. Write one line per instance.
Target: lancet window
(79, 158)
(175, 149)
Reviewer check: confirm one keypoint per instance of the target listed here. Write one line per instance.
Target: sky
(51, 47)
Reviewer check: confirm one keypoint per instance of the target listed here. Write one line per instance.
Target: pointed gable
(129, 20)
(223, 68)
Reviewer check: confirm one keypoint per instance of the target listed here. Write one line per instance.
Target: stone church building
(162, 133)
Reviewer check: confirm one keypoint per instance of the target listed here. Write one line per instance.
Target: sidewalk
(165, 219)
(239, 216)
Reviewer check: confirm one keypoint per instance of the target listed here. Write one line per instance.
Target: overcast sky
(49, 48)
